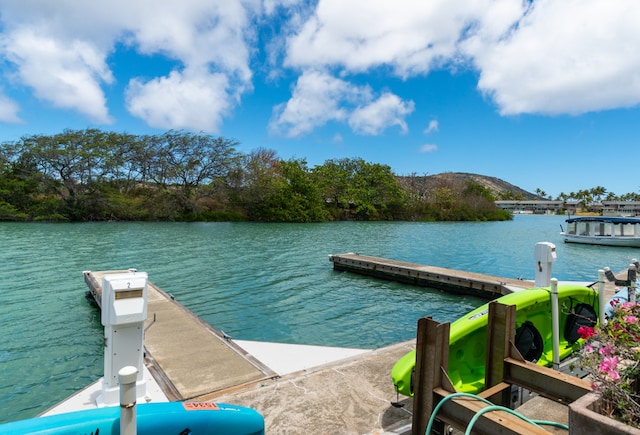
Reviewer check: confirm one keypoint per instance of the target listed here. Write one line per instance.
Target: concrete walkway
(350, 396)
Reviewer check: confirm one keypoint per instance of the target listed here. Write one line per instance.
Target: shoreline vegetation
(96, 175)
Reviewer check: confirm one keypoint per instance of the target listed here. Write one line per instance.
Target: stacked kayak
(578, 306)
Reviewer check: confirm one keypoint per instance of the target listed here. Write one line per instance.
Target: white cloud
(432, 127)
(319, 98)
(378, 115)
(66, 73)
(562, 57)
(314, 102)
(60, 49)
(180, 101)
(9, 110)
(411, 36)
(428, 148)
(548, 56)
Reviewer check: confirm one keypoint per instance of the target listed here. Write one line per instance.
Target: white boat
(603, 230)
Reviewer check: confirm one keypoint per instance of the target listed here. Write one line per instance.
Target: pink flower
(631, 319)
(586, 332)
(609, 365)
(613, 375)
(607, 350)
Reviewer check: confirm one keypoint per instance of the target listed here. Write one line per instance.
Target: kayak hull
(152, 418)
(468, 336)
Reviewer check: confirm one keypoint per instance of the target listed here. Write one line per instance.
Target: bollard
(127, 377)
(555, 323)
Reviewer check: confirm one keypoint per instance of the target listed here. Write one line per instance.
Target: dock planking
(186, 356)
(440, 278)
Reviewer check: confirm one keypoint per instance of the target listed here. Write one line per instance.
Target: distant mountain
(497, 186)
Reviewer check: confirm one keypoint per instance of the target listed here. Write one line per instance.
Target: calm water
(270, 282)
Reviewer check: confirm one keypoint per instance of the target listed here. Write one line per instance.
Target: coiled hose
(489, 408)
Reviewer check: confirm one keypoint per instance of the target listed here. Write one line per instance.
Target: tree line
(95, 175)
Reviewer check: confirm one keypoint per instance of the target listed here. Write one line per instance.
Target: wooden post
(432, 361)
(500, 336)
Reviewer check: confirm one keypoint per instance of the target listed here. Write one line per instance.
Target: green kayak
(468, 335)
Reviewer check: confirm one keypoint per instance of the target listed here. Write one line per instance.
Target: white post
(124, 310)
(127, 377)
(601, 302)
(545, 255)
(555, 323)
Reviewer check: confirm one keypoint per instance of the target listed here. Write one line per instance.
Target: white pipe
(127, 377)
(555, 323)
(601, 302)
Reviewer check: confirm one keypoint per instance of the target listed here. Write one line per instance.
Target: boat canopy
(605, 219)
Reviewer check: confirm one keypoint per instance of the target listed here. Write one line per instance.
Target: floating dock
(449, 280)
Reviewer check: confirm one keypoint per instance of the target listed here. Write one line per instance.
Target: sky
(543, 94)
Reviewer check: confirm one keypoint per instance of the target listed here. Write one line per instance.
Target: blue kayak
(176, 418)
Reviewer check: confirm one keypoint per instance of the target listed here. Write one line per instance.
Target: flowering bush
(611, 358)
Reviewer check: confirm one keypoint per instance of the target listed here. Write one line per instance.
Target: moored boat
(534, 338)
(152, 418)
(603, 230)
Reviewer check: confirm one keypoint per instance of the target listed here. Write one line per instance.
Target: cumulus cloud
(378, 115)
(319, 98)
(180, 101)
(563, 57)
(60, 50)
(66, 73)
(411, 36)
(314, 102)
(548, 56)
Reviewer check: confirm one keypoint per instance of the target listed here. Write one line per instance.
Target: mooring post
(127, 377)
(432, 360)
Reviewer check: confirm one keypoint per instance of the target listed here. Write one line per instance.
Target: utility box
(124, 311)
(545, 255)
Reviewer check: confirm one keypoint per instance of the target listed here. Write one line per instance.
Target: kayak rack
(505, 367)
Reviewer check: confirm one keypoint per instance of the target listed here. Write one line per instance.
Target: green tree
(293, 197)
(355, 189)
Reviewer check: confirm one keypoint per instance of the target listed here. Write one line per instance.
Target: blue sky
(542, 94)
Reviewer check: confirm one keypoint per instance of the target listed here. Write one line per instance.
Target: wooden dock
(449, 280)
(187, 357)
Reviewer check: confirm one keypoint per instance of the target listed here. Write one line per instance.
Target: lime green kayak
(468, 335)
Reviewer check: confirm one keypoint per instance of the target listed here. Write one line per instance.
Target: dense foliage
(93, 175)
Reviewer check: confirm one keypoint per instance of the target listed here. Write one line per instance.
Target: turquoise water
(270, 282)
